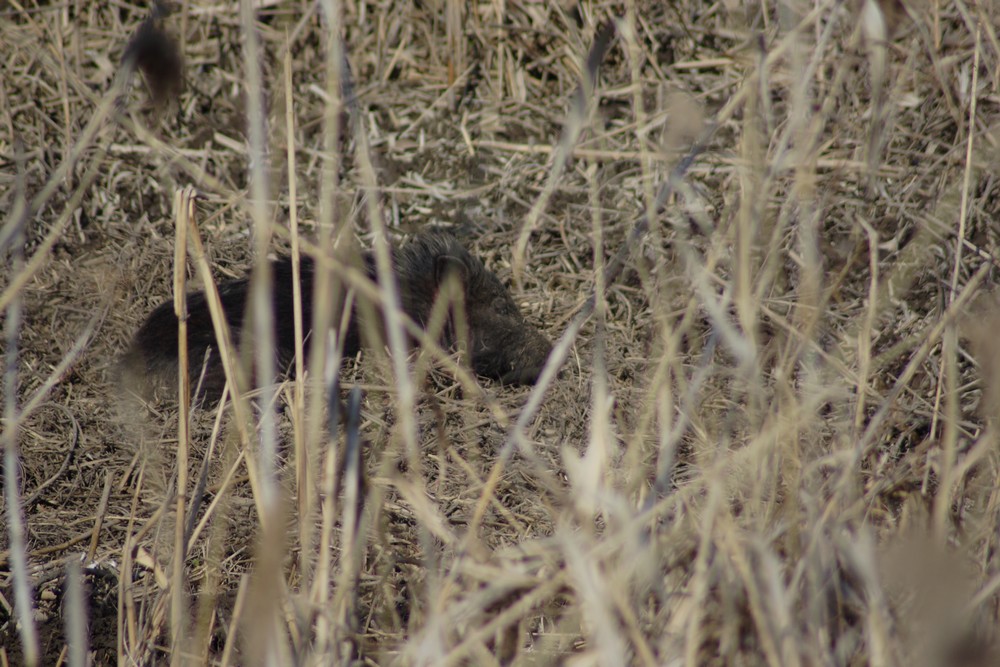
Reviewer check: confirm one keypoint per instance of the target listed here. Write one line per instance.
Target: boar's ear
(446, 265)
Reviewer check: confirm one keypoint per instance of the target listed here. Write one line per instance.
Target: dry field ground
(772, 438)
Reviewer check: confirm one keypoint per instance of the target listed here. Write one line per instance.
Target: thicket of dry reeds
(772, 438)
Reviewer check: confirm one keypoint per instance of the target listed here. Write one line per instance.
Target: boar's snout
(511, 351)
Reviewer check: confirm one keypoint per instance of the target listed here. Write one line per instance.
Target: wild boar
(502, 346)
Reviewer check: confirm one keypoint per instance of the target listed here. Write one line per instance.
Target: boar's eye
(504, 306)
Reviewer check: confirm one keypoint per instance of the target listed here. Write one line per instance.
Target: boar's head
(502, 344)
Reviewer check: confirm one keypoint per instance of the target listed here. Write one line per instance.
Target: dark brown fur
(502, 345)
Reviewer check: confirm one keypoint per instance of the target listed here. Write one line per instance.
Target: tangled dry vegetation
(771, 442)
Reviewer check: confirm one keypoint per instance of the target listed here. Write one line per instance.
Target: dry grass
(772, 442)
